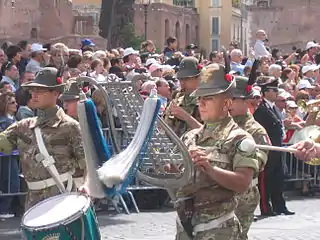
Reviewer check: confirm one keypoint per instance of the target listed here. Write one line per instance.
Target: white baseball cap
(312, 45)
(155, 67)
(37, 47)
(308, 68)
(151, 61)
(292, 104)
(284, 94)
(129, 51)
(304, 84)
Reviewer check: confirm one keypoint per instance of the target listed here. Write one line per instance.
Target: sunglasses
(274, 89)
(12, 102)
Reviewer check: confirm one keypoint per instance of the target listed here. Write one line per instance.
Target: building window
(178, 30)
(184, 3)
(263, 3)
(166, 29)
(187, 34)
(197, 34)
(215, 45)
(215, 3)
(215, 26)
(34, 33)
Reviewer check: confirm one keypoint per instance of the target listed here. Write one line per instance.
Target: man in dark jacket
(271, 180)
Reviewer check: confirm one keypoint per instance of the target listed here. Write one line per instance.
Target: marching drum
(69, 216)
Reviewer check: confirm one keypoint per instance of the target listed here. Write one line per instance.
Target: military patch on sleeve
(266, 139)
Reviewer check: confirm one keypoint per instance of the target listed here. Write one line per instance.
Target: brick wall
(162, 15)
(288, 23)
(54, 20)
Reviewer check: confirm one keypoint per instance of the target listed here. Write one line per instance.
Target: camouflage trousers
(247, 204)
(229, 230)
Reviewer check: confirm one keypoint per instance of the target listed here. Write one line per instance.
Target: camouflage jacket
(259, 134)
(211, 200)
(190, 105)
(62, 138)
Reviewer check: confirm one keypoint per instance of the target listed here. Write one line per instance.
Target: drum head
(55, 210)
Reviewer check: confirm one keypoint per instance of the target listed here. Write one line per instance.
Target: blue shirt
(13, 84)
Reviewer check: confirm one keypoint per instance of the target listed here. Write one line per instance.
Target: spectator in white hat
(281, 102)
(304, 85)
(150, 61)
(37, 52)
(308, 72)
(156, 70)
(312, 49)
(131, 59)
(292, 122)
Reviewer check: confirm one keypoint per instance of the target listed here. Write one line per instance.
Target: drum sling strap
(48, 162)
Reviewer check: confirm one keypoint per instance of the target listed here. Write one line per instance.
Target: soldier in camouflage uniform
(206, 206)
(183, 112)
(70, 98)
(61, 135)
(249, 200)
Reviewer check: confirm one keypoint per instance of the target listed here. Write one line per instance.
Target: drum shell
(83, 223)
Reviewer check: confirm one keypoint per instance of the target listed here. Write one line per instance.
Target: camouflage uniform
(72, 93)
(213, 205)
(249, 200)
(190, 105)
(188, 70)
(61, 135)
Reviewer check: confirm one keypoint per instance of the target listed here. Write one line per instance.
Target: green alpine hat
(72, 91)
(189, 67)
(214, 81)
(47, 78)
(242, 89)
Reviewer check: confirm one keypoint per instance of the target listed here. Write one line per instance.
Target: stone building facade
(288, 23)
(164, 20)
(45, 21)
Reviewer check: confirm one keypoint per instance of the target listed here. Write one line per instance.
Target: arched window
(187, 34)
(34, 33)
(263, 3)
(197, 35)
(178, 30)
(166, 29)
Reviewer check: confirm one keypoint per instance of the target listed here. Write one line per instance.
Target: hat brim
(66, 97)
(34, 84)
(59, 88)
(203, 92)
(187, 75)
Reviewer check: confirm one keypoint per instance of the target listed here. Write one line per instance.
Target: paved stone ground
(161, 225)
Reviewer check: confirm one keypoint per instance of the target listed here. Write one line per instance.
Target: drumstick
(279, 149)
(249, 146)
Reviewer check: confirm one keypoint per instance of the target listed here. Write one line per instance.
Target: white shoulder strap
(48, 161)
(42, 148)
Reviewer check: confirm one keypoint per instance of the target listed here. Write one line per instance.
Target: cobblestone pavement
(161, 225)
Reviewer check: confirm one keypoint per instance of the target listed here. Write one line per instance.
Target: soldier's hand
(306, 150)
(200, 159)
(177, 112)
